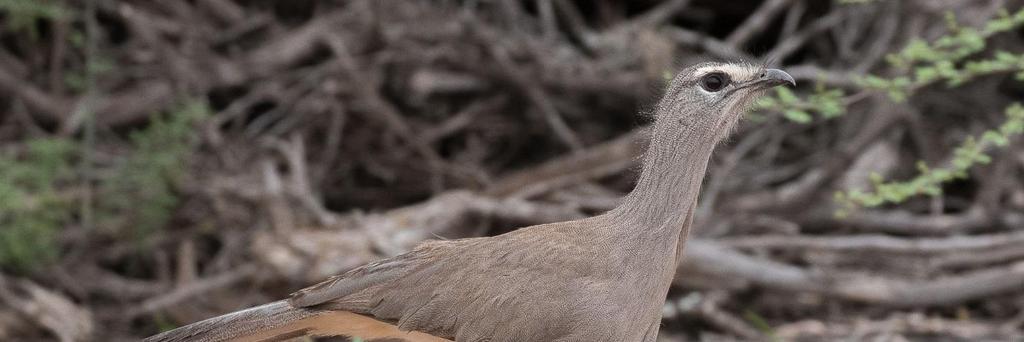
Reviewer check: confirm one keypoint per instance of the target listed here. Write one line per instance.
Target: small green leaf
(786, 96)
(797, 116)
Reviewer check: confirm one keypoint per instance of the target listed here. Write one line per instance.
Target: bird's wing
(343, 287)
(299, 316)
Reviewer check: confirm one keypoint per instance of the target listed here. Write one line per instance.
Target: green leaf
(786, 96)
(797, 116)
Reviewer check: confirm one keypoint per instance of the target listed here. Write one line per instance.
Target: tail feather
(280, 321)
(236, 324)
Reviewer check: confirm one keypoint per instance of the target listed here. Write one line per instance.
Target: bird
(600, 278)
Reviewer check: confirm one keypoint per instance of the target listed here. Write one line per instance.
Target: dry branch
(882, 243)
(47, 309)
(715, 259)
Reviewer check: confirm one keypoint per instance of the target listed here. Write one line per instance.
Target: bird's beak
(775, 77)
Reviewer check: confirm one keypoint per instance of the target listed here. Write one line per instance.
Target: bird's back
(541, 283)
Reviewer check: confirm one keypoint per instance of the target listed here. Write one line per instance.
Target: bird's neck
(665, 195)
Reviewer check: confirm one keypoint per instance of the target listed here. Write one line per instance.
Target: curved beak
(775, 77)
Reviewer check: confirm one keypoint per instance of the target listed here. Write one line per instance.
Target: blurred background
(162, 162)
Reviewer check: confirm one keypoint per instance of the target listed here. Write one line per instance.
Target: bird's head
(713, 96)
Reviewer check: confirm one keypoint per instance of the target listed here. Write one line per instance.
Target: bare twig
(47, 309)
(785, 48)
(191, 290)
(604, 159)
(707, 307)
(882, 243)
(531, 90)
(756, 22)
(713, 258)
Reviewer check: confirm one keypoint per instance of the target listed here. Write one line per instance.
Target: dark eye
(714, 81)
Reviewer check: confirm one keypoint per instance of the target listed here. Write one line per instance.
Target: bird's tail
(280, 321)
(238, 324)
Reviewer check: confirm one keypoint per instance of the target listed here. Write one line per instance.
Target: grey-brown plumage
(602, 278)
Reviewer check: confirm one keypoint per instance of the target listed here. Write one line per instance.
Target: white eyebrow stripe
(737, 72)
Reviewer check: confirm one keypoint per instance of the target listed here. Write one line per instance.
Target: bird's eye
(714, 81)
